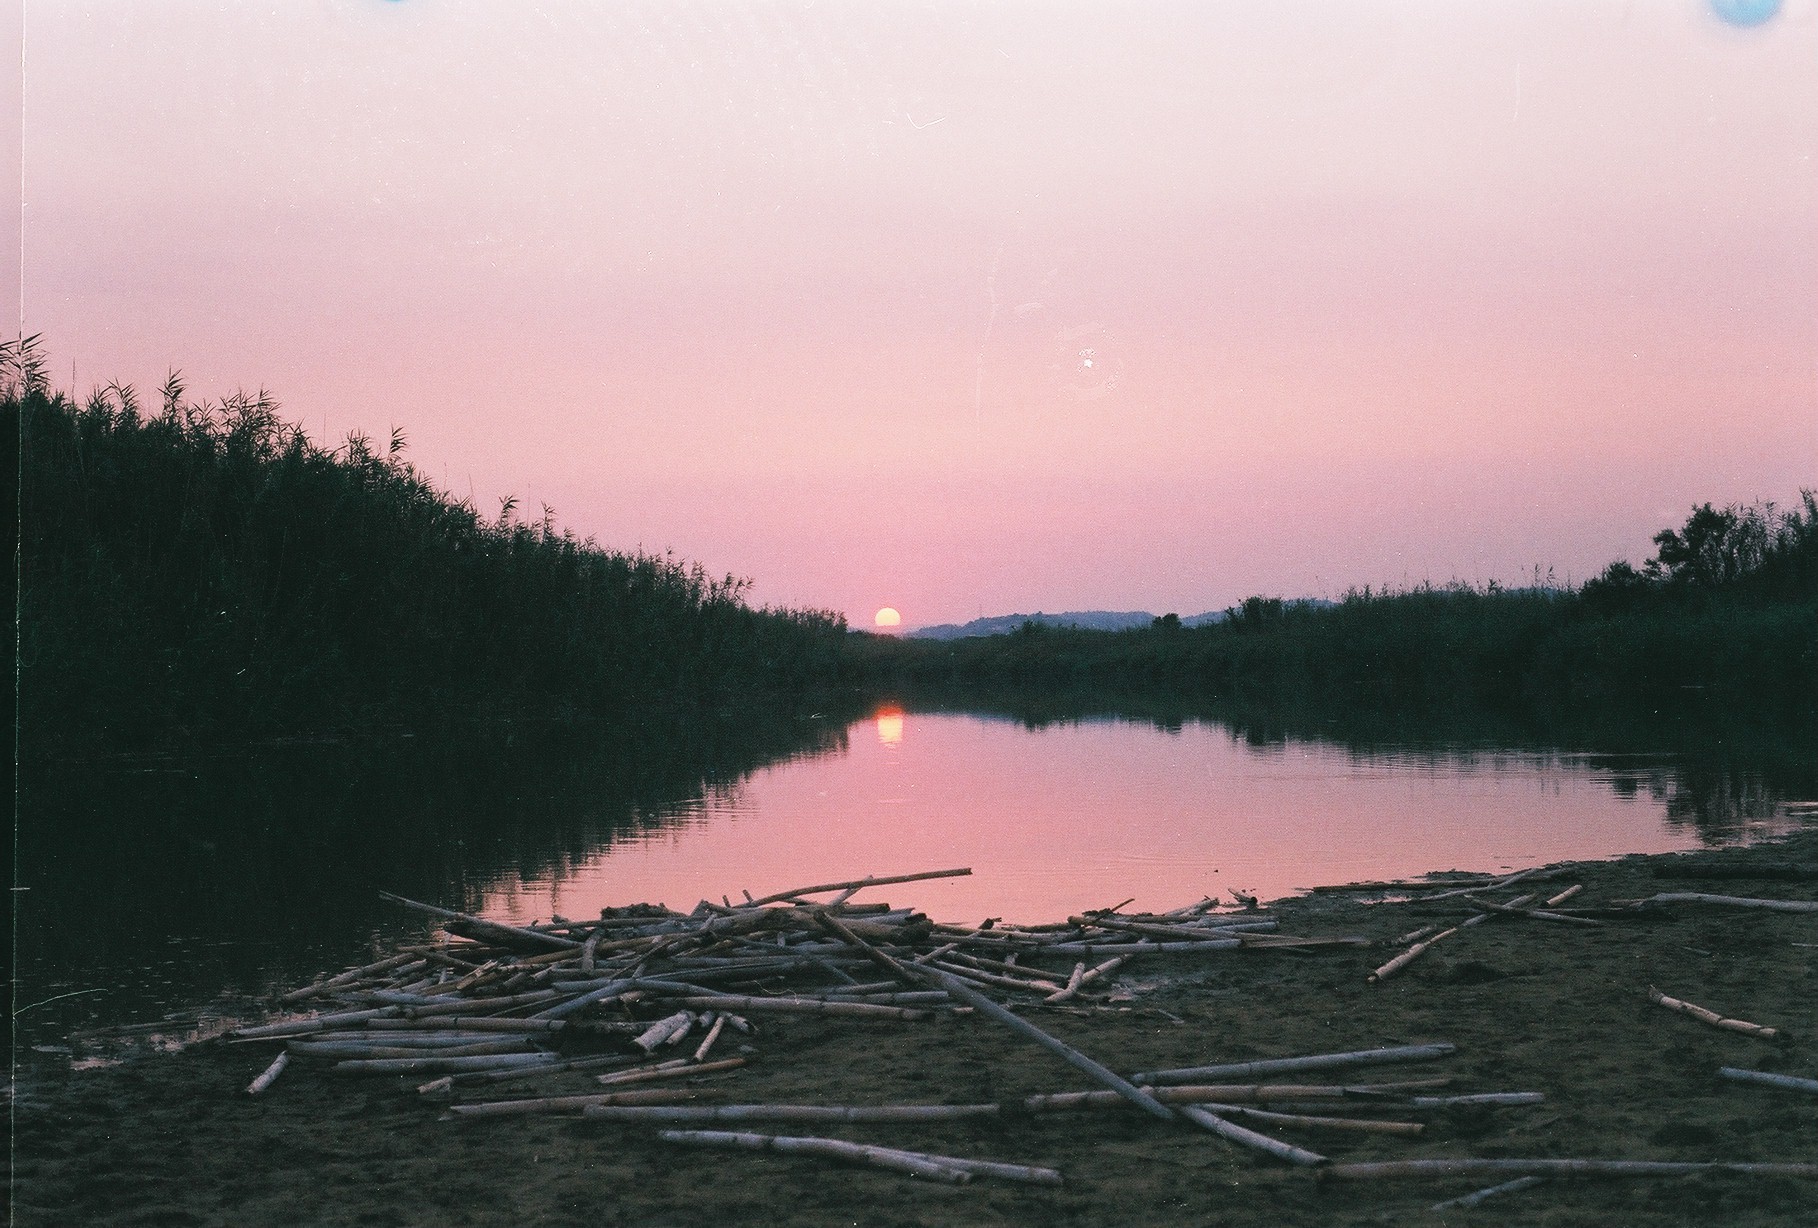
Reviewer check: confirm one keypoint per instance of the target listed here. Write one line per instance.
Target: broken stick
(1705, 1015)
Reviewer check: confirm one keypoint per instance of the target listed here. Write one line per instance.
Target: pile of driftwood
(644, 997)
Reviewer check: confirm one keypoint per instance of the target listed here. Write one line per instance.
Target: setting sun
(888, 617)
(890, 725)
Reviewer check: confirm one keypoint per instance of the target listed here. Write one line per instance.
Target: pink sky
(1378, 292)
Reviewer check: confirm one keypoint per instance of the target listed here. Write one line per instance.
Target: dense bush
(204, 566)
(1726, 613)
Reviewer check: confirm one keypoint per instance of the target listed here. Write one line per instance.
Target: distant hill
(1089, 620)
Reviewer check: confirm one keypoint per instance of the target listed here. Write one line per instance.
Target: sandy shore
(170, 1139)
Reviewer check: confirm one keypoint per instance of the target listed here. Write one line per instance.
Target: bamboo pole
(713, 1034)
(352, 975)
(803, 1006)
(978, 1001)
(1479, 883)
(888, 1157)
(1790, 1082)
(507, 1025)
(909, 997)
(399, 997)
(1171, 932)
(443, 1065)
(1289, 942)
(1410, 955)
(864, 1114)
(680, 1068)
(915, 1164)
(641, 1073)
(1357, 1125)
(1564, 1168)
(1281, 1065)
(877, 880)
(1243, 1136)
(1079, 1061)
(1471, 1200)
(664, 1031)
(605, 993)
(1234, 1093)
(504, 935)
(1142, 946)
(1729, 901)
(1092, 974)
(1007, 966)
(270, 1075)
(1499, 884)
(1704, 1015)
(1414, 952)
(482, 1006)
(356, 1049)
(576, 1064)
(928, 957)
(317, 1023)
(403, 1038)
(1539, 914)
(1022, 984)
(563, 1104)
(839, 973)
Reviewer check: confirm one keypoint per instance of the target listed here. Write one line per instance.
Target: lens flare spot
(1745, 12)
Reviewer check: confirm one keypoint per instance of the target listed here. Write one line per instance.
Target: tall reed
(205, 568)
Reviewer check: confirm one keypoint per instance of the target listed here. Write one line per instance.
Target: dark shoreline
(171, 1139)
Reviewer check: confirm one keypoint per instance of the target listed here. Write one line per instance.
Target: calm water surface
(1087, 814)
(149, 887)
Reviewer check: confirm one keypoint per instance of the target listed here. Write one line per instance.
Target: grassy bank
(195, 570)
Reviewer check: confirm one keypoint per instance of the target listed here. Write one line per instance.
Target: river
(153, 887)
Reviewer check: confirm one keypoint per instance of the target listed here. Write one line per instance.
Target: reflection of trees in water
(238, 868)
(1715, 799)
(1723, 775)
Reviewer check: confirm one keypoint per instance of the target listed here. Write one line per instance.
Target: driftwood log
(970, 996)
(1284, 1065)
(1704, 1015)
(1346, 1125)
(1471, 1200)
(568, 1104)
(869, 1114)
(494, 1003)
(1727, 901)
(920, 1164)
(1767, 1079)
(270, 1075)
(855, 884)
(1243, 1136)
(1414, 952)
(1563, 1168)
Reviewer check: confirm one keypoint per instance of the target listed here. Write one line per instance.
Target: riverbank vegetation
(197, 570)
(1725, 615)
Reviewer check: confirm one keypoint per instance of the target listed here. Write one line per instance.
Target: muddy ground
(171, 1140)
